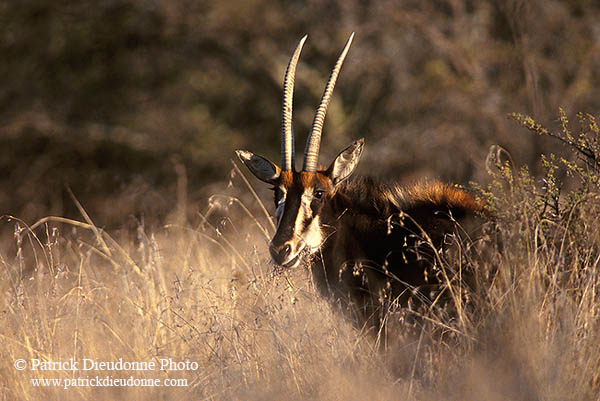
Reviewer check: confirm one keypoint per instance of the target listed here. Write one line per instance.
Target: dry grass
(177, 294)
(528, 330)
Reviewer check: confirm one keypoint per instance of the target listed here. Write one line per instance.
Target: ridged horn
(311, 153)
(287, 132)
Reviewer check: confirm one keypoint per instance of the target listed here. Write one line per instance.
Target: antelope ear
(345, 163)
(262, 168)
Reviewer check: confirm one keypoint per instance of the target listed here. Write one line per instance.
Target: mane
(367, 195)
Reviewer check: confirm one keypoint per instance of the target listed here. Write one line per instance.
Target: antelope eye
(318, 194)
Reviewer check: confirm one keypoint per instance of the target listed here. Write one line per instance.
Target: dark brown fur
(380, 241)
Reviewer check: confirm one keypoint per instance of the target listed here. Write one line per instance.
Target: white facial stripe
(304, 211)
(307, 195)
(280, 206)
(312, 235)
(279, 212)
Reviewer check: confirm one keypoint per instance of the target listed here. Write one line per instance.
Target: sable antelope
(360, 237)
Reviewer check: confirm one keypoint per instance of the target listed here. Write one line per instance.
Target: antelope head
(301, 195)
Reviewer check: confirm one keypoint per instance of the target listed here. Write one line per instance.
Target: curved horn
(311, 153)
(287, 133)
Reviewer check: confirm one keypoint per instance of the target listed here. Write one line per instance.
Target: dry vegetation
(133, 108)
(128, 91)
(528, 330)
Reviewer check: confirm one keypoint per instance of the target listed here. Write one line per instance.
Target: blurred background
(136, 106)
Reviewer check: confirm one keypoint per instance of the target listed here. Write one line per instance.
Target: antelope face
(299, 200)
(300, 196)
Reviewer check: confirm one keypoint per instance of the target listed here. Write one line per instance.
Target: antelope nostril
(280, 254)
